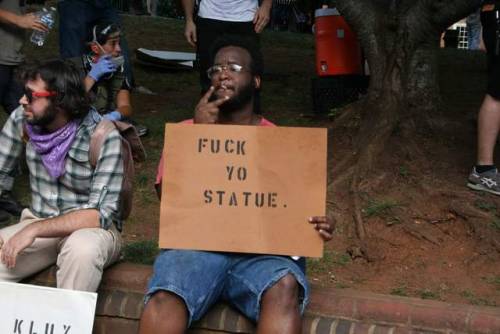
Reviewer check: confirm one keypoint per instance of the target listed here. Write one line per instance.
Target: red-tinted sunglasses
(31, 94)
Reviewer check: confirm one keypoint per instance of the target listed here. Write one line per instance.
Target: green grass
(328, 262)
(428, 294)
(401, 290)
(143, 252)
(494, 280)
(403, 171)
(495, 224)
(485, 205)
(474, 300)
(380, 208)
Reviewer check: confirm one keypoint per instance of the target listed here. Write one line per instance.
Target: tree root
(421, 235)
(343, 177)
(475, 220)
(350, 114)
(356, 200)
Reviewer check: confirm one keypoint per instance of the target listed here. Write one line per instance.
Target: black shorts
(490, 29)
(10, 89)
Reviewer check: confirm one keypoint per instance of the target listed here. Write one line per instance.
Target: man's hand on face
(261, 18)
(16, 244)
(207, 112)
(324, 225)
(190, 33)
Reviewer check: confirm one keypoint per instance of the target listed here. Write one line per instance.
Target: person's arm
(123, 104)
(27, 21)
(88, 83)
(65, 224)
(482, 46)
(102, 209)
(262, 15)
(60, 226)
(190, 27)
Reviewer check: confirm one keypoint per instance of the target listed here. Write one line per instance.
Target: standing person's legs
(13, 95)
(488, 126)
(40, 255)
(489, 114)
(84, 255)
(74, 18)
(270, 290)
(10, 89)
(484, 175)
(207, 32)
(5, 74)
(183, 287)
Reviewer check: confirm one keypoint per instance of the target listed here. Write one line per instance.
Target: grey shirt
(11, 36)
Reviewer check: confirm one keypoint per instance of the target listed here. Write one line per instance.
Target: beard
(236, 103)
(47, 117)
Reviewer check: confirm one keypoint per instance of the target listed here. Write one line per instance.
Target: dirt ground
(428, 235)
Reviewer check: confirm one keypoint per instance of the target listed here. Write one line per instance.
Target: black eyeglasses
(32, 94)
(217, 69)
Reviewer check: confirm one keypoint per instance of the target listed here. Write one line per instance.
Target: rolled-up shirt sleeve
(107, 181)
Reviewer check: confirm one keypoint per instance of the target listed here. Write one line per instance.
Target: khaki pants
(81, 257)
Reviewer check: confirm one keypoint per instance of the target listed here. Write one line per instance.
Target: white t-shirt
(228, 10)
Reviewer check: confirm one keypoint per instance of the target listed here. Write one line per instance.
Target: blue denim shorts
(202, 278)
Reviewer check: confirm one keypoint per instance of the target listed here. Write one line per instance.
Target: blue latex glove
(103, 66)
(113, 116)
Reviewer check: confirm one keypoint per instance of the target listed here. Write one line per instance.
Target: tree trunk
(400, 41)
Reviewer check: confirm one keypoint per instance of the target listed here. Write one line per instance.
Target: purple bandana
(53, 147)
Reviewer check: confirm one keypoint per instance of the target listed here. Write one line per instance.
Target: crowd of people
(75, 217)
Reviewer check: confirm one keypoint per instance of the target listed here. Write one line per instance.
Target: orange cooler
(337, 49)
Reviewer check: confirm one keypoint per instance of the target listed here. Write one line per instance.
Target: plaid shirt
(81, 186)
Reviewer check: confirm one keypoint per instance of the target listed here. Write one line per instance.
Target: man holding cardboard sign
(74, 219)
(268, 289)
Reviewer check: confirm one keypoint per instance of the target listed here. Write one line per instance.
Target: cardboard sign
(34, 309)
(246, 189)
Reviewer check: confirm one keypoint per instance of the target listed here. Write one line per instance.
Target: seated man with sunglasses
(270, 290)
(105, 78)
(74, 219)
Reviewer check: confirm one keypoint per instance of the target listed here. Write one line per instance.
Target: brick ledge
(333, 311)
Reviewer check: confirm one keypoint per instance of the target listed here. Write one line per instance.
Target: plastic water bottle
(47, 17)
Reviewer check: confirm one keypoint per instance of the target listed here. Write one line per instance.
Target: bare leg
(279, 311)
(165, 312)
(488, 126)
